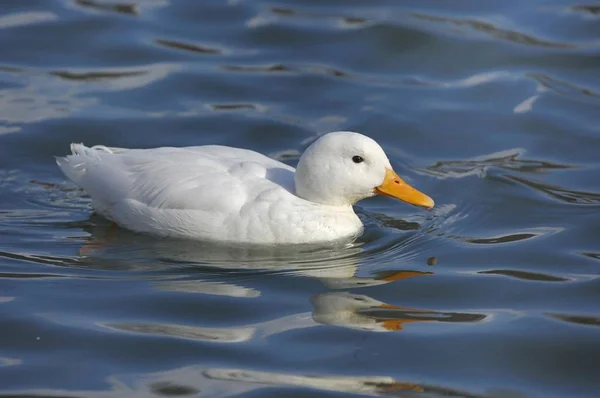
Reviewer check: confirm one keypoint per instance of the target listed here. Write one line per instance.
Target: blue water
(491, 108)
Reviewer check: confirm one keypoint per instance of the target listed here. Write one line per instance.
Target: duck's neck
(317, 191)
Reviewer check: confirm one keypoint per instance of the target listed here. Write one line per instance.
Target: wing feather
(208, 178)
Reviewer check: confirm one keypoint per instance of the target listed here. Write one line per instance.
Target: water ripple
(122, 8)
(287, 15)
(170, 389)
(586, 320)
(566, 89)
(595, 256)
(279, 68)
(117, 79)
(371, 385)
(26, 18)
(525, 275)
(194, 48)
(130, 8)
(559, 193)
(223, 382)
(94, 76)
(237, 107)
(593, 10)
(4, 361)
(41, 259)
(57, 93)
(508, 238)
(496, 32)
(213, 335)
(507, 160)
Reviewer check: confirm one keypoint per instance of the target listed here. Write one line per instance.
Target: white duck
(236, 195)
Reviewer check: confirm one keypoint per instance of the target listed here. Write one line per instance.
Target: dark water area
(491, 108)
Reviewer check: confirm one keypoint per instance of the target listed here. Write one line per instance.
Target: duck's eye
(357, 159)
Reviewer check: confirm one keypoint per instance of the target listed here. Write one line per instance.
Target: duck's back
(204, 192)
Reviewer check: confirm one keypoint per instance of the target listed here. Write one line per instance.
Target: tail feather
(76, 165)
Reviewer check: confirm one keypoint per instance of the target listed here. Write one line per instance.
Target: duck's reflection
(370, 385)
(362, 312)
(342, 309)
(211, 269)
(336, 267)
(126, 248)
(216, 288)
(335, 278)
(227, 382)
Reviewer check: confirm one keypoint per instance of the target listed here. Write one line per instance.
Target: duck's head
(343, 167)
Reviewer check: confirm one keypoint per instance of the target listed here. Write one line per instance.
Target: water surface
(492, 108)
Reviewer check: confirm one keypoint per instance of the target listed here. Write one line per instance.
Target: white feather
(229, 194)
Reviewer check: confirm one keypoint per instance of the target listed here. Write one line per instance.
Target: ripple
(57, 94)
(279, 68)
(364, 385)
(595, 256)
(526, 105)
(11, 69)
(508, 238)
(217, 382)
(354, 21)
(194, 48)
(256, 68)
(562, 194)
(396, 223)
(5, 361)
(9, 275)
(283, 11)
(495, 32)
(40, 259)
(474, 80)
(341, 21)
(566, 89)
(121, 8)
(170, 389)
(210, 287)
(26, 18)
(525, 275)
(38, 203)
(593, 10)
(37, 101)
(585, 320)
(507, 160)
(274, 15)
(117, 79)
(94, 76)
(499, 239)
(215, 335)
(9, 130)
(237, 107)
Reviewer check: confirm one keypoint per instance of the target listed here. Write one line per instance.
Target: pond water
(491, 108)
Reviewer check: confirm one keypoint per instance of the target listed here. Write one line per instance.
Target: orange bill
(395, 187)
